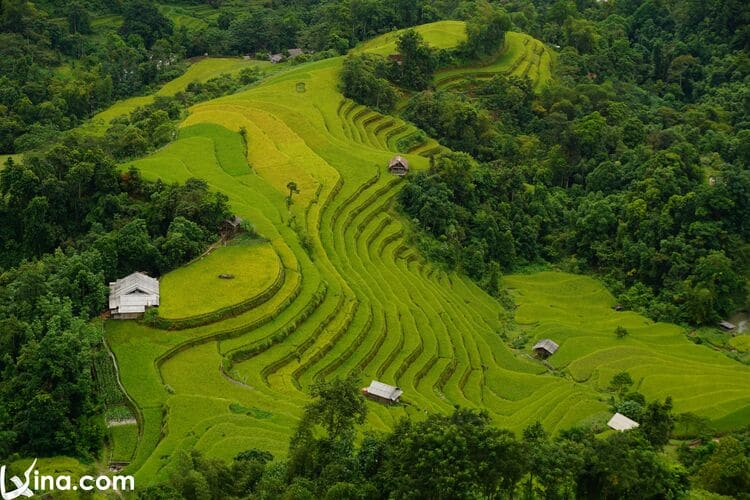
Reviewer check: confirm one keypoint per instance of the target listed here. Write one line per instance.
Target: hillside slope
(357, 298)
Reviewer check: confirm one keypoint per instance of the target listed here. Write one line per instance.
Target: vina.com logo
(33, 482)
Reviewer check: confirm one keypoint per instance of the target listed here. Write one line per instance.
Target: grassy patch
(198, 289)
(124, 440)
(440, 35)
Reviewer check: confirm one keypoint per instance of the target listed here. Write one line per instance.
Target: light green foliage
(124, 439)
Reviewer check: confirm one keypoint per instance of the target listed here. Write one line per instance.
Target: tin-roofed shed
(620, 422)
(383, 392)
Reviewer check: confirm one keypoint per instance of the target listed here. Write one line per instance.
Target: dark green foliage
(363, 80)
(624, 466)
(70, 223)
(142, 18)
(727, 470)
(485, 32)
(657, 422)
(621, 383)
(454, 120)
(445, 456)
(630, 165)
(415, 68)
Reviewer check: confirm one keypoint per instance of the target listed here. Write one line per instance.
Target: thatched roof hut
(398, 165)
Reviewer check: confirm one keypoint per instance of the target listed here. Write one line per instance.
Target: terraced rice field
(202, 70)
(363, 301)
(522, 56)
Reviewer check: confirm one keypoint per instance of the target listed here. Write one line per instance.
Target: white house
(130, 296)
(620, 422)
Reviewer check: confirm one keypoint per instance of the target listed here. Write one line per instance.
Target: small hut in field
(545, 348)
(231, 227)
(620, 422)
(398, 166)
(384, 393)
(129, 297)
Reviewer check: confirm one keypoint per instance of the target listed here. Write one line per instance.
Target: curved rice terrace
(360, 299)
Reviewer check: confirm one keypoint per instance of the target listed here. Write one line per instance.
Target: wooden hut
(398, 166)
(130, 296)
(620, 422)
(384, 393)
(545, 348)
(230, 227)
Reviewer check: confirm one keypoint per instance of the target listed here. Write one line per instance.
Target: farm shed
(545, 348)
(398, 166)
(231, 227)
(620, 422)
(726, 325)
(130, 296)
(276, 58)
(383, 392)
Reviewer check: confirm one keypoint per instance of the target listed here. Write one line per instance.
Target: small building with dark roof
(545, 348)
(398, 166)
(230, 227)
(383, 393)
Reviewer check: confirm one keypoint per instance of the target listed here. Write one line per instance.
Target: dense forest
(633, 164)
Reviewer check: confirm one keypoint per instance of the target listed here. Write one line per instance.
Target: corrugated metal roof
(547, 345)
(136, 290)
(620, 422)
(131, 309)
(384, 391)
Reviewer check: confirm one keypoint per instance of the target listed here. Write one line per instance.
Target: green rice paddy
(362, 300)
(226, 276)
